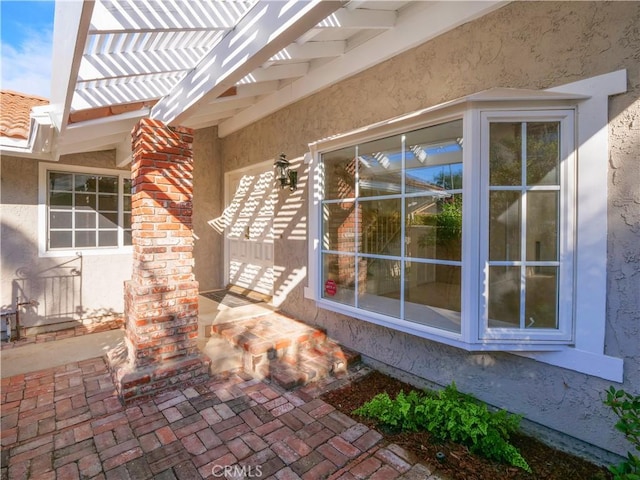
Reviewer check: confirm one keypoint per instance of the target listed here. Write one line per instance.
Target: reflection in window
(392, 226)
(524, 212)
(84, 210)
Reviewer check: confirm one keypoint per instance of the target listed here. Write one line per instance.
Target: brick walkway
(66, 423)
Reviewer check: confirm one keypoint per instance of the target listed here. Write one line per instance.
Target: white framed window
(527, 204)
(394, 223)
(473, 223)
(84, 209)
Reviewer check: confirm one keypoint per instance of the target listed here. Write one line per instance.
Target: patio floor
(66, 423)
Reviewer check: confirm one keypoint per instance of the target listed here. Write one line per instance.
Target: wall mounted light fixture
(285, 175)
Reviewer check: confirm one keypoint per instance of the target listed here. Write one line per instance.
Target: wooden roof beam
(265, 30)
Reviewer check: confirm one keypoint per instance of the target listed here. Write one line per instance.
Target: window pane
(85, 239)
(504, 297)
(340, 173)
(108, 239)
(381, 229)
(85, 201)
(433, 158)
(85, 220)
(126, 185)
(108, 220)
(128, 237)
(60, 181)
(339, 226)
(504, 226)
(60, 220)
(437, 178)
(108, 184)
(339, 278)
(380, 167)
(127, 203)
(85, 183)
(543, 153)
(436, 286)
(126, 220)
(505, 154)
(380, 289)
(541, 297)
(60, 240)
(542, 226)
(61, 200)
(108, 202)
(434, 227)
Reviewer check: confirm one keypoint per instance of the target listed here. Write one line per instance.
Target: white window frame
(589, 99)
(43, 211)
(564, 332)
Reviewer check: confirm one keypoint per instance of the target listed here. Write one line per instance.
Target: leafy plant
(627, 408)
(451, 415)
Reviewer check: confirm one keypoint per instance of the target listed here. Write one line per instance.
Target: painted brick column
(161, 299)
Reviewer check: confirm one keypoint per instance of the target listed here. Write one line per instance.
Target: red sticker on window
(330, 288)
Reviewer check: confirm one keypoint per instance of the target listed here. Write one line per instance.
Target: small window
(87, 211)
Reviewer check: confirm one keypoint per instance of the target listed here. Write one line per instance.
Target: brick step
(311, 365)
(287, 351)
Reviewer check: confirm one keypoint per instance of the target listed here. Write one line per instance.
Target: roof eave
(40, 140)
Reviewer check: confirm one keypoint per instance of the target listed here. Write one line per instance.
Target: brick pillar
(161, 299)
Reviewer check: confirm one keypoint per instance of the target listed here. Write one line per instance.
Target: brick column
(161, 299)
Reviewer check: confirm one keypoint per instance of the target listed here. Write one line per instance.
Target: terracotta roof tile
(15, 110)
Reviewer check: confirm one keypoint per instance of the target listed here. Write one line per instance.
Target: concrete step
(287, 351)
(224, 356)
(211, 313)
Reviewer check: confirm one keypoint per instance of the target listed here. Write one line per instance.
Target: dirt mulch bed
(459, 464)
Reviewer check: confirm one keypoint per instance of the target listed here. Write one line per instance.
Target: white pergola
(200, 63)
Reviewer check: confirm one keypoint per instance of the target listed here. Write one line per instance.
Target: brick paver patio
(67, 423)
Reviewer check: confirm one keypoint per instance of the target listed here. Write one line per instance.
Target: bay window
(470, 224)
(466, 239)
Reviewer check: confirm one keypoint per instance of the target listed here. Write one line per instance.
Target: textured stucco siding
(100, 285)
(208, 197)
(63, 298)
(533, 45)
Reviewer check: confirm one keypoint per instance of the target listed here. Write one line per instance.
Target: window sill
(76, 252)
(564, 356)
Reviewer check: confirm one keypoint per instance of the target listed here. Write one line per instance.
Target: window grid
(473, 316)
(537, 321)
(91, 222)
(358, 200)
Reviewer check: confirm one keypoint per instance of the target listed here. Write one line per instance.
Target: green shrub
(450, 415)
(627, 408)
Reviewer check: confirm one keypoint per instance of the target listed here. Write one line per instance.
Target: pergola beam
(416, 26)
(72, 20)
(265, 30)
(116, 16)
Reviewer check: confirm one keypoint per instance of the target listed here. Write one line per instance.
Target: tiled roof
(15, 110)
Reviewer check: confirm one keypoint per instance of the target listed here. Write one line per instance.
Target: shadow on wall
(255, 218)
(46, 291)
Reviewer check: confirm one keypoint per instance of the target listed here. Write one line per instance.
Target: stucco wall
(208, 195)
(97, 291)
(528, 45)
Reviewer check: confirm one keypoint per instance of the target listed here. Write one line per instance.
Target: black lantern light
(286, 176)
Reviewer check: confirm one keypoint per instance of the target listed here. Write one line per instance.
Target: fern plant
(451, 415)
(627, 408)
